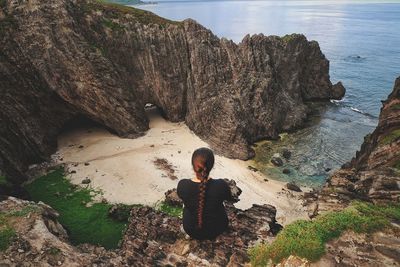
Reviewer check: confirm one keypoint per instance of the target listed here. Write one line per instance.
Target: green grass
(288, 37)
(307, 239)
(7, 234)
(395, 106)
(84, 224)
(3, 181)
(391, 137)
(112, 25)
(397, 165)
(114, 10)
(170, 210)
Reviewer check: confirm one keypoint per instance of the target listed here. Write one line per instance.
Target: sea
(360, 38)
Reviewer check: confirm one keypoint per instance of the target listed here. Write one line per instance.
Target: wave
(341, 103)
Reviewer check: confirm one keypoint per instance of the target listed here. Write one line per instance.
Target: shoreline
(141, 170)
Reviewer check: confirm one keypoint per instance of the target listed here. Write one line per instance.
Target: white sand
(123, 169)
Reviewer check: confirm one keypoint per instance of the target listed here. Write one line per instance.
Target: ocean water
(360, 38)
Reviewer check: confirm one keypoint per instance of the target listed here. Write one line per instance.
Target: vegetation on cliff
(307, 239)
(85, 221)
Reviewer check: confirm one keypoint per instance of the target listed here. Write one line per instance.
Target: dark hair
(207, 157)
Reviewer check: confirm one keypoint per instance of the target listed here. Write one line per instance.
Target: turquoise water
(360, 38)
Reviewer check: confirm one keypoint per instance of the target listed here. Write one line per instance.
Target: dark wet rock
(259, 87)
(87, 163)
(286, 171)
(86, 181)
(277, 161)
(338, 90)
(252, 168)
(328, 169)
(286, 153)
(119, 212)
(292, 186)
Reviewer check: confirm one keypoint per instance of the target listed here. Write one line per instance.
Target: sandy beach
(139, 171)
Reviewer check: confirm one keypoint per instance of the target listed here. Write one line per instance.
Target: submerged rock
(277, 161)
(294, 187)
(229, 94)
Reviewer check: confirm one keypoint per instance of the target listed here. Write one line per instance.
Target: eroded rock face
(374, 173)
(62, 60)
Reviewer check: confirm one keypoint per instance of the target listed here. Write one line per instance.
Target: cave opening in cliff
(81, 122)
(153, 111)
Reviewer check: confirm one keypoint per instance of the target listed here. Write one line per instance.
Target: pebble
(21, 250)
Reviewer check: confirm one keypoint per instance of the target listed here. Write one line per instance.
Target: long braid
(202, 196)
(206, 157)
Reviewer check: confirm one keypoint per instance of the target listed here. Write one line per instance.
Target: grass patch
(84, 224)
(4, 181)
(307, 239)
(112, 25)
(170, 210)
(288, 37)
(115, 10)
(395, 106)
(7, 234)
(24, 211)
(397, 165)
(391, 137)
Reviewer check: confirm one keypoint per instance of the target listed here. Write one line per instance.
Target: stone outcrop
(152, 238)
(374, 173)
(68, 60)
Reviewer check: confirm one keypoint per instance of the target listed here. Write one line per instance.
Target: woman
(204, 215)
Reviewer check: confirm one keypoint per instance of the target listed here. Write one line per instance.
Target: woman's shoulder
(220, 182)
(183, 182)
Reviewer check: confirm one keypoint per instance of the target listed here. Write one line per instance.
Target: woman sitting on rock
(204, 215)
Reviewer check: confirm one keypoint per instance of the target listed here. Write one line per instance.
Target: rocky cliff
(152, 238)
(374, 173)
(62, 61)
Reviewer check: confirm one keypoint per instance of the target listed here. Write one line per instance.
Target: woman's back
(214, 216)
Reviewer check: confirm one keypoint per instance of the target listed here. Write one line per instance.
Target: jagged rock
(286, 153)
(277, 161)
(86, 60)
(294, 187)
(338, 90)
(350, 249)
(172, 198)
(374, 173)
(235, 190)
(152, 238)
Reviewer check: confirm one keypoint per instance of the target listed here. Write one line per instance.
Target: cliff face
(63, 60)
(374, 173)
